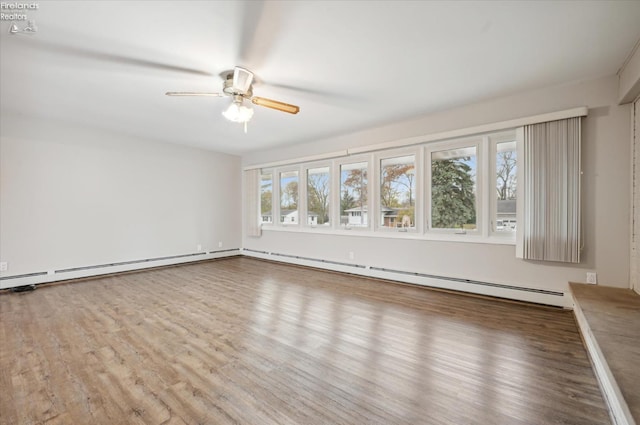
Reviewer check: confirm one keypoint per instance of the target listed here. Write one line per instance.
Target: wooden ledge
(609, 320)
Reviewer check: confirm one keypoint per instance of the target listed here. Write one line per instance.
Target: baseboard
(493, 289)
(35, 278)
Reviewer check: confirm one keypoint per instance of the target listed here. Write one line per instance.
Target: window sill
(492, 240)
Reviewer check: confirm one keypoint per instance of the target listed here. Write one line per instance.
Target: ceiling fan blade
(260, 26)
(189, 93)
(274, 104)
(242, 79)
(115, 58)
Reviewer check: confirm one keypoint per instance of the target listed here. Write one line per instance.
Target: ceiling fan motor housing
(238, 84)
(231, 87)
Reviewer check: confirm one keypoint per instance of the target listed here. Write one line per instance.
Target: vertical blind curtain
(551, 230)
(252, 203)
(635, 213)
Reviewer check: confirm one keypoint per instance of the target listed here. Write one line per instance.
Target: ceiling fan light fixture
(237, 112)
(242, 79)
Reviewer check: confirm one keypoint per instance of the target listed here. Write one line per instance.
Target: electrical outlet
(592, 278)
(4, 266)
(219, 244)
(351, 255)
(199, 248)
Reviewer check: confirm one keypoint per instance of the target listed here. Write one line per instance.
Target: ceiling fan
(239, 85)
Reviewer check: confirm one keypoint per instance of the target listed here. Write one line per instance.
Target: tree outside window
(266, 198)
(506, 187)
(353, 195)
(318, 196)
(453, 189)
(289, 197)
(397, 192)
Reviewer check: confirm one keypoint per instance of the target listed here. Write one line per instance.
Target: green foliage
(452, 194)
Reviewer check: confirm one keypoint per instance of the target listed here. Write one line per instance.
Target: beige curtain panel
(252, 203)
(551, 191)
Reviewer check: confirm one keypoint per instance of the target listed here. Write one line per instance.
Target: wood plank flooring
(244, 341)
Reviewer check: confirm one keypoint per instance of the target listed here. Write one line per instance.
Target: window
(289, 197)
(318, 196)
(397, 192)
(353, 195)
(504, 201)
(461, 189)
(454, 189)
(266, 198)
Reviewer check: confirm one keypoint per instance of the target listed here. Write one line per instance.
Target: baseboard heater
(146, 260)
(473, 282)
(298, 257)
(47, 277)
(542, 296)
(19, 276)
(338, 263)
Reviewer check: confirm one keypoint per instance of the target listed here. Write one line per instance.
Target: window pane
(506, 185)
(318, 196)
(453, 189)
(397, 192)
(353, 195)
(266, 197)
(289, 197)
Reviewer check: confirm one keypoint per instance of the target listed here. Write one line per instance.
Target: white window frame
(418, 198)
(480, 143)
(273, 191)
(305, 170)
(494, 140)
(485, 145)
(337, 164)
(279, 172)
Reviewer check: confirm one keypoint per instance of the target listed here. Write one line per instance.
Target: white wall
(606, 196)
(629, 77)
(75, 197)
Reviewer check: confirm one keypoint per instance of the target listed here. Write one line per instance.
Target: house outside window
(318, 196)
(397, 192)
(461, 189)
(354, 195)
(506, 167)
(289, 194)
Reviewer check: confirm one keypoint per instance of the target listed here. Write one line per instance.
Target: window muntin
(352, 204)
(318, 196)
(289, 194)
(266, 198)
(453, 185)
(506, 185)
(397, 200)
(354, 195)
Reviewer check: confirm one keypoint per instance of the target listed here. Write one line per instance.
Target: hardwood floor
(243, 341)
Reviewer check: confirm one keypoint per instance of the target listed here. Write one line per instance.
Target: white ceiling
(348, 65)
